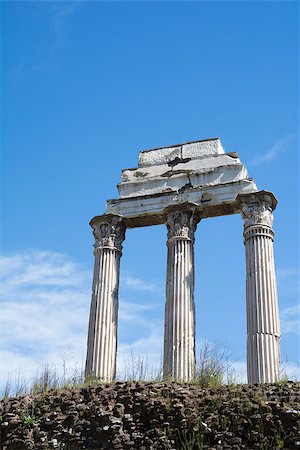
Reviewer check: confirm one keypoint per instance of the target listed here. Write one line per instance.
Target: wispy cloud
(36, 268)
(58, 13)
(290, 311)
(147, 350)
(139, 285)
(290, 319)
(135, 313)
(291, 370)
(278, 147)
(44, 310)
(288, 279)
(54, 16)
(45, 301)
(287, 272)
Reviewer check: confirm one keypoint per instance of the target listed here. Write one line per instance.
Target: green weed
(28, 421)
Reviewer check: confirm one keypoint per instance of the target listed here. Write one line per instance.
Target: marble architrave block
(263, 328)
(212, 201)
(195, 150)
(175, 167)
(179, 179)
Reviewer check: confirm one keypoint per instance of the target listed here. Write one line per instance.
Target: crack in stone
(178, 161)
(170, 173)
(183, 188)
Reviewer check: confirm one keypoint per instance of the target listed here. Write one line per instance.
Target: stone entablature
(179, 186)
(178, 175)
(200, 173)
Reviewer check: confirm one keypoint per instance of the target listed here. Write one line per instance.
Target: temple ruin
(179, 186)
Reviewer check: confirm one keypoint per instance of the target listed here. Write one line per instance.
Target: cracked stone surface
(198, 172)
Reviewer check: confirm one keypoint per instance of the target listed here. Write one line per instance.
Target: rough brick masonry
(145, 416)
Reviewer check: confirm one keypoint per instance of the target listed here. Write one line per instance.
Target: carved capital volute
(258, 213)
(109, 232)
(181, 224)
(257, 208)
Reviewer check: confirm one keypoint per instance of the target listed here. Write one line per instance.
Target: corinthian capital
(256, 208)
(257, 213)
(109, 232)
(181, 224)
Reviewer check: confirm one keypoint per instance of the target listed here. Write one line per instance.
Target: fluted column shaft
(263, 329)
(179, 340)
(102, 335)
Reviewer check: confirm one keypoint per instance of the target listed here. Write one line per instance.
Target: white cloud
(287, 272)
(135, 313)
(40, 268)
(291, 371)
(142, 356)
(290, 319)
(279, 146)
(45, 301)
(44, 311)
(54, 16)
(58, 13)
(138, 284)
(237, 372)
(290, 326)
(290, 311)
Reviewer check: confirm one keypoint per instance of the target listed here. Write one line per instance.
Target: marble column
(109, 233)
(263, 329)
(179, 339)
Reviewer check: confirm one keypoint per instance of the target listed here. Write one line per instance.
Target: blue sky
(85, 87)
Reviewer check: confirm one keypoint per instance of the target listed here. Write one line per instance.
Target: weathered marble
(194, 150)
(263, 329)
(199, 172)
(211, 201)
(179, 186)
(180, 179)
(179, 339)
(192, 173)
(109, 233)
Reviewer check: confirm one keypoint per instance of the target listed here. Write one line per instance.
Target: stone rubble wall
(145, 416)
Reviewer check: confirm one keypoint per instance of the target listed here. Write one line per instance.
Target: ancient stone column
(263, 329)
(109, 233)
(179, 340)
